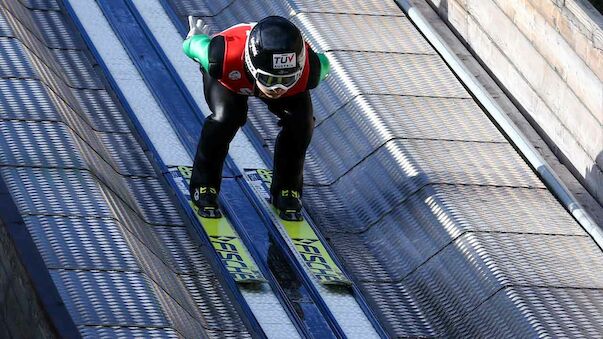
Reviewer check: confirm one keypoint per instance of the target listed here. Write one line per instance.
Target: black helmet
(275, 53)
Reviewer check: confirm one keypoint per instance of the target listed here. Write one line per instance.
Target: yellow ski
(306, 242)
(225, 240)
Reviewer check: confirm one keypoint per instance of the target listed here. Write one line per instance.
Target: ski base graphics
(225, 240)
(306, 242)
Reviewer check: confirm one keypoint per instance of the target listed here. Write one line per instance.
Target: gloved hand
(195, 26)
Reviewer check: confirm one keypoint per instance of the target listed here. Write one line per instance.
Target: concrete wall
(548, 54)
(21, 315)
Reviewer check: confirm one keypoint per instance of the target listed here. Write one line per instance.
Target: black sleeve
(216, 56)
(314, 78)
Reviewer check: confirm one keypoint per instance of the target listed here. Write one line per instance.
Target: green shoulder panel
(325, 66)
(197, 48)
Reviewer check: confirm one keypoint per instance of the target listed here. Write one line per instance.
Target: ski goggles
(272, 81)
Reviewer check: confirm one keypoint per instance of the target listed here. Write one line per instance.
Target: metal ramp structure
(441, 225)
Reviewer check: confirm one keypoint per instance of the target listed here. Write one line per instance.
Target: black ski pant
(229, 113)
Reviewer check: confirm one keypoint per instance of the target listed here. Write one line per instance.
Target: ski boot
(206, 199)
(288, 203)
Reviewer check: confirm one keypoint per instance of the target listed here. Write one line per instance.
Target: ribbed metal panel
(183, 251)
(25, 99)
(5, 30)
(458, 279)
(227, 334)
(160, 273)
(402, 74)
(58, 192)
(181, 320)
(100, 110)
(96, 152)
(207, 294)
(230, 7)
(526, 260)
(147, 193)
(396, 250)
(132, 220)
(85, 243)
(403, 314)
(201, 8)
(393, 116)
(14, 64)
(351, 32)
(77, 70)
(41, 57)
(55, 32)
(29, 143)
(109, 298)
(15, 10)
(239, 11)
(104, 170)
(476, 266)
(400, 167)
(361, 197)
(102, 332)
(411, 117)
(41, 4)
(52, 76)
(121, 146)
(368, 7)
(562, 312)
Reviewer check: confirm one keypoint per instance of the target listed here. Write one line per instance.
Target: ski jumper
(227, 84)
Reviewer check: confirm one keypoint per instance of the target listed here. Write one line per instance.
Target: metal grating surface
(402, 74)
(41, 4)
(14, 63)
(400, 255)
(180, 319)
(47, 144)
(109, 298)
(25, 99)
(5, 30)
(121, 146)
(76, 69)
(100, 110)
(465, 274)
(351, 32)
(95, 332)
(368, 7)
(159, 271)
(567, 312)
(184, 253)
(55, 32)
(85, 243)
(55, 192)
(21, 20)
(201, 8)
(400, 167)
(207, 294)
(381, 117)
(148, 192)
(411, 233)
